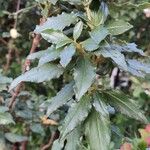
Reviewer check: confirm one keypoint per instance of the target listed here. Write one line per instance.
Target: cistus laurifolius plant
(84, 48)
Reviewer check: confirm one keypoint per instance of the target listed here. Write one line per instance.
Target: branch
(24, 145)
(14, 96)
(3, 41)
(23, 10)
(17, 9)
(54, 136)
(15, 146)
(35, 43)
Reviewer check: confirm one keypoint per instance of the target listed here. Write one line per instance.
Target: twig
(9, 56)
(3, 41)
(24, 145)
(35, 43)
(23, 10)
(17, 9)
(14, 95)
(26, 67)
(15, 146)
(53, 137)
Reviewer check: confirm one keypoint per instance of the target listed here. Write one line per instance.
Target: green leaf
(77, 2)
(26, 113)
(125, 105)
(77, 30)
(99, 34)
(50, 55)
(56, 37)
(38, 55)
(100, 106)
(38, 74)
(37, 128)
(53, 1)
(84, 76)
(138, 68)
(114, 54)
(41, 1)
(64, 95)
(57, 23)
(136, 72)
(3, 109)
(67, 54)
(76, 115)
(141, 6)
(57, 145)
(6, 118)
(130, 48)
(73, 140)
(15, 137)
(118, 27)
(97, 131)
(89, 45)
(5, 80)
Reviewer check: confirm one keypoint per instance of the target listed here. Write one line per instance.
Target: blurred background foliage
(27, 113)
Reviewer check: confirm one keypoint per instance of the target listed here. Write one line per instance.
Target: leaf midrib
(123, 103)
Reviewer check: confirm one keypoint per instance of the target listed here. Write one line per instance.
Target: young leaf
(57, 23)
(118, 27)
(97, 131)
(50, 55)
(115, 55)
(56, 37)
(90, 45)
(64, 95)
(67, 54)
(77, 30)
(76, 115)
(6, 118)
(99, 34)
(125, 105)
(83, 75)
(97, 18)
(104, 9)
(38, 74)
